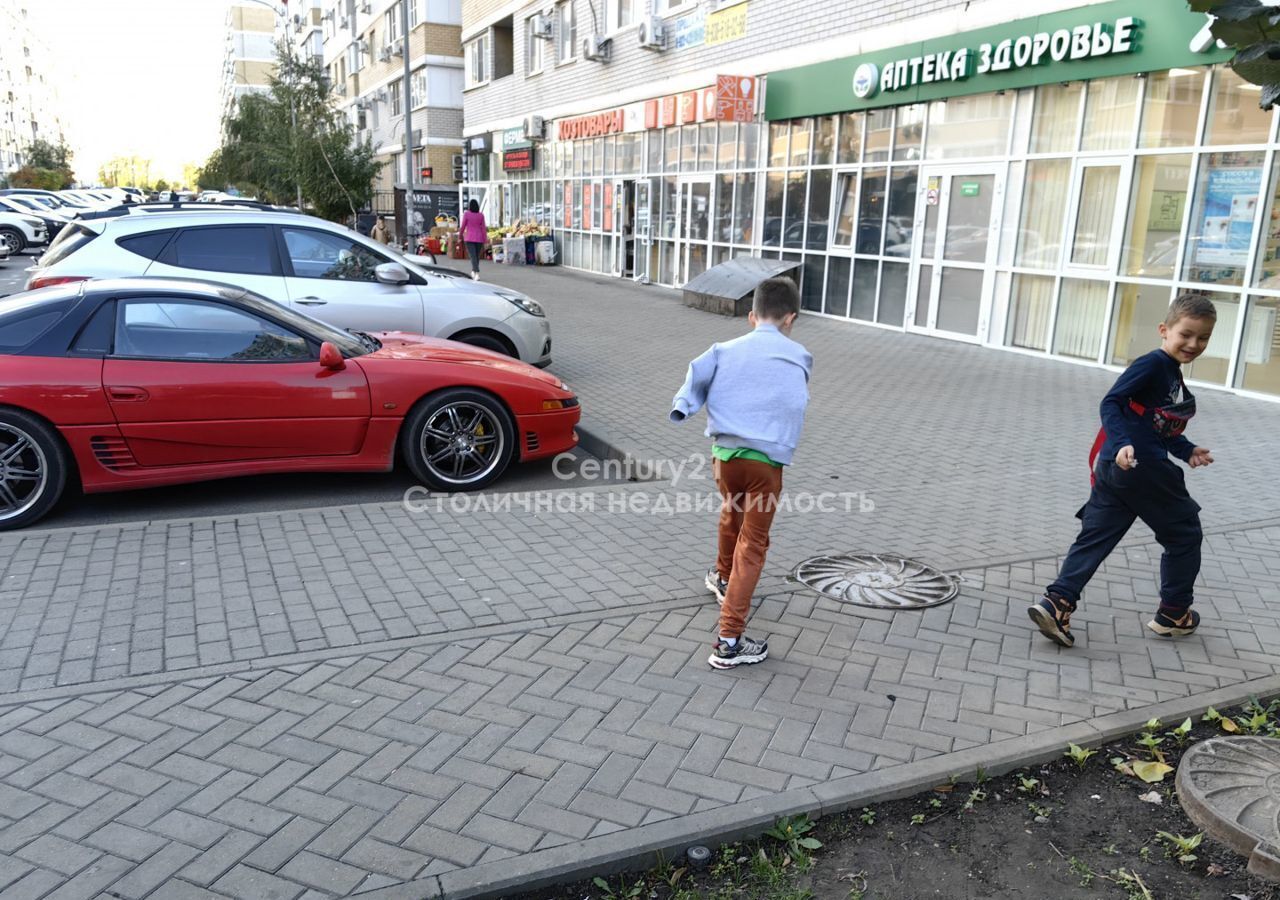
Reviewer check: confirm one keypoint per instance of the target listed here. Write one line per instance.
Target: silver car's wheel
(33, 469)
(459, 440)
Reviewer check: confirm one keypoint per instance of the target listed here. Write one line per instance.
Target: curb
(637, 849)
(596, 440)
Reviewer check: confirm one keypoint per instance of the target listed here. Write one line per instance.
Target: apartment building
(1032, 176)
(249, 57)
(29, 104)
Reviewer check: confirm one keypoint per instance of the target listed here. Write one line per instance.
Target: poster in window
(1226, 226)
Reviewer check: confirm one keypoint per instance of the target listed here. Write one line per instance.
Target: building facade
(1041, 180)
(364, 46)
(249, 54)
(29, 104)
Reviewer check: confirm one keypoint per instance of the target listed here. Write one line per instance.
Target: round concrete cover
(1230, 787)
(879, 580)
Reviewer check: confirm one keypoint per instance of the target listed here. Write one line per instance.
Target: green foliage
(43, 179)
(162, 185)
(1182, 848)
(48, 167)
(1027, 785)
(624, 892)
(1181, 733)
(1252, 28)
(1078, 754)
(868, 816)
(790, 832)
(293, 136)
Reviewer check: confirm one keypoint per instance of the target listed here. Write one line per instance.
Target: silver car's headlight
(532, 307)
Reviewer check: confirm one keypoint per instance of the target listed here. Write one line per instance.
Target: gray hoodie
(755, 388)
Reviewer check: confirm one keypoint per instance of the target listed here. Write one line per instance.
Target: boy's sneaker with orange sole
(1170, 622)
(746, 652)
(716, 585)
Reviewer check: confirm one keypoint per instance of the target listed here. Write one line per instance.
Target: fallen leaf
(1231, 726)
(1125, 769)
(1151, 772)
(1215, 871)
(944, 788)
(1152, 797)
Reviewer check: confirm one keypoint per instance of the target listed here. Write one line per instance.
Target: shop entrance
(622, 199)
(694, 234)
(645, 249)
(957, 218)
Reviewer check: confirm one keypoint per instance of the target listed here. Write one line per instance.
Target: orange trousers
(749, 492)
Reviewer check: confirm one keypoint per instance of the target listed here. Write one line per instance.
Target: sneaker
(1052, 616)
(746, 652)
(716, 585)
(1174, 622)
(475, 276)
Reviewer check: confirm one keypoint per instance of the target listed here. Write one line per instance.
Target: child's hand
(1200, 457)
(1125, 459)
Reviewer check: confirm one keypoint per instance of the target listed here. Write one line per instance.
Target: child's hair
(1190, 306)
(775, 298)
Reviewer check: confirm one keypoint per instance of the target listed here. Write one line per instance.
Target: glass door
(642, 228)
(694, 234)
(957, 218)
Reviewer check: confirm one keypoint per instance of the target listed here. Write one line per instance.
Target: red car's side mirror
(331, 357)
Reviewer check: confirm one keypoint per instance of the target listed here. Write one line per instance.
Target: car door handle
(134, 394)
(312, 301)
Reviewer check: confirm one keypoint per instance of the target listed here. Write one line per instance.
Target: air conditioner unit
(362, 45)
(397, 49)
(366, 7)
(384, 55)
(381, 95)
(340, 90)
(652, 34)
(329, 14)
(596, 48)
(534, 128)
(344, 23)
(540, 26)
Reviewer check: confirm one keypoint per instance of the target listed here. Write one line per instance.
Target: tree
(43, 155)
(292, 136)
(1252, 29)
(44, 179)
(162, 185)
(48, 166)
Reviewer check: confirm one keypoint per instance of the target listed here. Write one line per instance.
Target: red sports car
(142, 382)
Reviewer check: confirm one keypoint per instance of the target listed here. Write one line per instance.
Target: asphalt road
(13, 271)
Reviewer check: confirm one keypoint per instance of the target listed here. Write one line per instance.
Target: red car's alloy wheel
(32, 469)
(460, 439)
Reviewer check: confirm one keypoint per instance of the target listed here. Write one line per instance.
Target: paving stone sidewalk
(370, 700)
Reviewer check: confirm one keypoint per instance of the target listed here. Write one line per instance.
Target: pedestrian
(755, 388)
(380, 232)
(1143, 419)
(476, 234)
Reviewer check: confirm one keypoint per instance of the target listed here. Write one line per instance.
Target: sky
(136, 77)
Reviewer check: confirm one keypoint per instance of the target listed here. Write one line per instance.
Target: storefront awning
(727, 288)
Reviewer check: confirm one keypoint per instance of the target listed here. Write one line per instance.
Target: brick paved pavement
(367, 700)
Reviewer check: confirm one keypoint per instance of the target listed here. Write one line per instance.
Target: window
(1029, 310)
(148, 245)
(418, 89)
(1234, 115)
(1057, 112)
(24, 321)
(319, 254)
(1171, 108)
(397, 99)
(477, 60)
(846, 208)
(391, 22)
(567, 36)
(1222, 215)
(242, 249)
(197, 330)
(1044, 207)
(533, 46)
(1109, 108)
(965, 127)
(619, 14)
(1156, 212)
(444, 12)
(504, 56)
(415, 12)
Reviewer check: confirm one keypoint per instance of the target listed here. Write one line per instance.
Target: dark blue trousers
(1154, 492)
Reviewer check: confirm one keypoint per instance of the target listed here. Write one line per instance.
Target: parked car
(313, 266)
(53, 222)
(275, 391)
(47, 198)
(21, 231)
(4, 250)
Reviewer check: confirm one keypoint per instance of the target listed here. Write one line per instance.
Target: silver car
(325, 270)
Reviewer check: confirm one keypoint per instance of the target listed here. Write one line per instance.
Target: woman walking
(476, 234)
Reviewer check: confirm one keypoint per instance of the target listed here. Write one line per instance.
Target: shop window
(748, 145)
(667, 263)
(1213, 365)
(1110, 105)
(893, 294)
(1082, 316)
(819, 210)
(597, 157)
(629, 153)
(814, 269)
(1171, 108)
(850, 144)
(774, 193)
(924, 296)
(909, 136)
(597, 205)
(1139, 310)
(779, 133)
(879, 134)
(654, 152)
(793, 230)
(824, 141)
(575, 158)
(801, 138)
(866, 280)
(744, 202)
(1222, 214)
(1095, 215)
(673, 150)
(724, 209)
(1054, 117)
(1157, 209)
(846, 208)
(900, 224)
(504, 52)
(689, 148)
(608, 155)
(577, 205)
(836, 299)
(1234, 115)
(1044, 207)
(1260, 354)
(706, 146)
(1030, 307)
(969, 127)
(727, 147)
(567, 33)
(670, 208)
(871, 211)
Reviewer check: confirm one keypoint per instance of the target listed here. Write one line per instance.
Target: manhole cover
(1230, 787)
(880, 580)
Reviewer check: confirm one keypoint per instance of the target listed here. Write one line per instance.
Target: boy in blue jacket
(755, 388)
(1143, 417)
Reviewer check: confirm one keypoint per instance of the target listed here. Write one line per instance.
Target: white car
(324, 270)
(21, 231)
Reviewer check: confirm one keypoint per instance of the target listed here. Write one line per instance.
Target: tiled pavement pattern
(320, 704)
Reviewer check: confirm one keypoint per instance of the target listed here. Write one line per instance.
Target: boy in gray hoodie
(755, 388)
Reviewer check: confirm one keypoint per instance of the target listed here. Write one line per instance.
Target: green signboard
(968, 189)
(1119, 38)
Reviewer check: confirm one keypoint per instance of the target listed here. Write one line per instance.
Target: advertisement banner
(726, 25)
(1226, 225)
